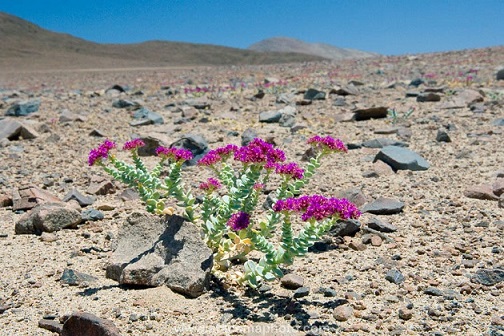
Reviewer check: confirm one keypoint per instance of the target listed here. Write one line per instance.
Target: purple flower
(258, 186)
(101, 152)
(328, 143)
(291, 169)
(133, 144)
(259, 151)
(210, 185)
(176, 154)
(318, 207)
(209, 159)
(226, 150)
(239, 221)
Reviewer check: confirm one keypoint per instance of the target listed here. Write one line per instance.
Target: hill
(30, 47)
(286, 44)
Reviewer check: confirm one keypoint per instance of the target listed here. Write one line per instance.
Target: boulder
(153, 251)
(13, 130)
(48, 217)
(400, 158)
(86, 324)
(24, 108)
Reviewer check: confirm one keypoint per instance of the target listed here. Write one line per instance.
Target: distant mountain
(24, 45)
(286, 44)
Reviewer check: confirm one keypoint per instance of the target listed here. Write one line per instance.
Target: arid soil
(443, 237)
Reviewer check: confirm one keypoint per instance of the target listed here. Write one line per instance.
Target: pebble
(343, 313)
(292, 281)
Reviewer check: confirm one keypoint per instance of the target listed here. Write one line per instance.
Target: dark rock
(248, 135)
(100, 185)
(481, 192)
(382, 226)
(74, 278)
(26, 198)
(498, 186)
(270, 116)
(416, 82)
(370, 113)
(500, 74)
(433, 291)
(402, 159)
(146, 117)
(301, 292)
(85, 324)
(340, 102)
(328, 292)
(129, 195)
(354, 195)
(121, 103)
(168, 251)
(24, 108)
(394, 276)
(345, 90)
(51, 325)
(91, 215)
(83, 201)
(48, 217)
(118, 88)
(292, 281)
(428, 97)
(383, 142)
(198, 103)
(384, 206)
(442, 136)
(313, 94)
(97, 133)
(194, 143)
(488, 277)
(259, 95)
(14, 130)
(345, 228)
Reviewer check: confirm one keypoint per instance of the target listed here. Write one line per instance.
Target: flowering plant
(228, 222)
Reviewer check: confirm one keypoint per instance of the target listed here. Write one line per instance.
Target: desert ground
(447, 237)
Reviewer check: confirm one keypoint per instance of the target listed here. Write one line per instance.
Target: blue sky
(389, 27)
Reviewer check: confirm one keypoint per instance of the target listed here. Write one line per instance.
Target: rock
(86, 324)
(48, 217)
(384, 206)
(14, 130)
(498, 122)
(428, 97)
(401, 159)
(118, 88)
(292, 281)
(67, 116)
(128, 195)
(48, 237)
(24, 108)
(394, 276)
(376, 240)
(270, 116)
(345, 228)
(343, 313)
(198, 103)
(354, 195)
(416, 82)
(380, 168)
(357, 246)
(121, 103)
(5, 201)
(194, 143)
(91, 215)
(488, 277)
(97, 133)
(313, 94)
(83, 201)
(345, 90)
(146, 117)
(433, 291)
(501, 201)
(74, 278)
(500, 74)
(382, 226)
(288, 118)
(51, 325)
(469, 96)
(26, 198)
(152, 252)
(370, 113)
(247, 136)
(481, 192)
(328, 292)
(405, 313)
(100, 185)
(301, 292)
(383, 142)
(442, 136)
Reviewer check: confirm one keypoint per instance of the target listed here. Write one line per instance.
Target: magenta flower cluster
(291, 169)
(133, 144)
(176, 154)
(328, 143)
(259, 151)
(239, 221)
(210, 185)
(101, 152)
(318, 207)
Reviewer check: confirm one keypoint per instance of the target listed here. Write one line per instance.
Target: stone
(498, 186)
(469, 96)
(343, 313)
(344, 228)
(376, 240)
(370, 113)
(91, 215)
(48, 237)
(498, 122)
(74, 278)
(194, 143)
(383, 142)
(313, 94)
(433, 291)
(150, 251)
(488, 277)
(97, 133)
(48, 217)
(100, 185)
(384, 206)
(345, 90)
(328, 292)
(198, 103)
(401, 159)
(428, 97)
(270, 116)
(382, 226)
(122, 103)
(481, 192)
(442, 136)
(23, 108)
(301, 292)
(416, 82)
(354, 195)
(380, 168)
(28, 197)
(501, 201)
(83, 201)
(248, 135)
(357, 246)
(292, 281)
(86, 324)
(394, 276)
(405, 313)
(500, 74)
(14, 130)
(144, 116)
(51, 325)
(118, 88)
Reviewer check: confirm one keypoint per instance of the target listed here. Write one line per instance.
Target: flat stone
(83, 201)
(195, 143)
(428, 97)
(488, 277)
(500, 74)
(100, 185)
(23, 108)
(384, 206)
(344, 228)
(270, 116)
(86, 324)
(394, 276)
(301, 292)
(401, 159)
(481, 192)
(383, 142)
(145, 116)
(91, 215)
(314, 94)
(354, 195)
(380, 168)
(292, 281)
(74, 278)
(28, 197)
(343, 313)
(382, 226)
(14, 130)
(51, 325)
(48, 217)
(370, 113)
